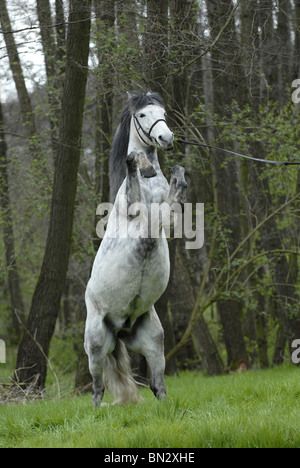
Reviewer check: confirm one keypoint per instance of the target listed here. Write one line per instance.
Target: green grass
(253, 409)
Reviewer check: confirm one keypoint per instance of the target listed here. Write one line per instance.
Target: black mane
(117, 164)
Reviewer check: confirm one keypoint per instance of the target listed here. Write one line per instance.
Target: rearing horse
(130, 273)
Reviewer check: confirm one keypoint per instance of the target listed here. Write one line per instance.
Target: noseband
(138, 127)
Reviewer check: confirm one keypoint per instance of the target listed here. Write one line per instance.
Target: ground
(252, 409)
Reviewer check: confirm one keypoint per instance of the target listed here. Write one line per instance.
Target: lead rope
(266, 161)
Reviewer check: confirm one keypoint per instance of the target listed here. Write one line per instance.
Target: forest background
(226, 70)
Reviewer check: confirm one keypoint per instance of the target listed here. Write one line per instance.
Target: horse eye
(142, 115)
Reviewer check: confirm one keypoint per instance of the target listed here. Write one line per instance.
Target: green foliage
(122, 50)
(30, 185)
(119, 62)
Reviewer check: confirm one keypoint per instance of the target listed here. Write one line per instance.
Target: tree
(272, 239)
(33, 351)
(16, 68)
(224, 70)
(105, 25)
(53, 55)
(16, 301)
(296, 55)
(156, 46)
(284, 73)
(228, 200)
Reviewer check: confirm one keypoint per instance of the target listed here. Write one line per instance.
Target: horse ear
(130, 95)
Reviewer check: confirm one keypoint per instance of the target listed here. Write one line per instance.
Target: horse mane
(117, 162)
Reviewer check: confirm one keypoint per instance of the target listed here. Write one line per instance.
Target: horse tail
(118, 378)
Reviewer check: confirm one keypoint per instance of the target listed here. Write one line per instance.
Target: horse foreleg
(172, 208)
(137, 161)
(178, 186)
(99, 342)
(147, 338)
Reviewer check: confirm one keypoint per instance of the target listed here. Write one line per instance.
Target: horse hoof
(148, 172)
(130, 159)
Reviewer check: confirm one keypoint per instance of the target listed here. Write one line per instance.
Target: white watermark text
(296, 93)
(138, 220)
(2, 352)
(296, 353)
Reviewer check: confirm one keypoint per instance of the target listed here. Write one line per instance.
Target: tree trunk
(182, 23)
(250, 46)
(284, 68)
(279, 346)
(156, 47)
(16, 68)
(212, 361)
(183, 29)
(262, 339)
(271, 239)
(182, 300)
(60, 31)
(296, 52)
(33, 351)
(16, 302)
(227, 86)
(105, 13)
(268, 50)
(48, 37)
(53, 60)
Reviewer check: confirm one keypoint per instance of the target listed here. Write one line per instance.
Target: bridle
(139, 127)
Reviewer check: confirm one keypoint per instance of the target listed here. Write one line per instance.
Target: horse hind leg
(148, 339)
(96, 359)
(99, 342)
(152, 339)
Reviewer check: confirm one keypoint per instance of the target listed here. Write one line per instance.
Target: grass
(252, 409)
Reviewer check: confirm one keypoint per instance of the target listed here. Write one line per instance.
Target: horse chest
(155, 269)
(154, 190)
(149, 270)
(129, 280)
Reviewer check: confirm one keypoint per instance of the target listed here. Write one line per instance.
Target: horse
(130, 273)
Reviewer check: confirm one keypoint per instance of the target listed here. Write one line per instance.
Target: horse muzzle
(166, 141)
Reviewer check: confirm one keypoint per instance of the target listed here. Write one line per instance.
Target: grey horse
(131, 271)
